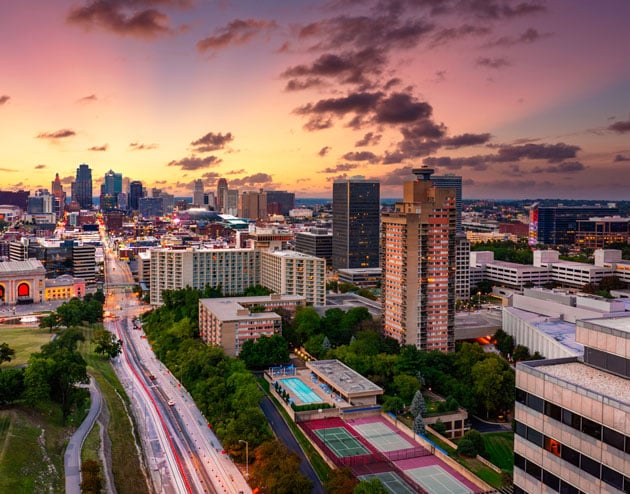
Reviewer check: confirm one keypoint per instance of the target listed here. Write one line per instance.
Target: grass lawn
(24, 340)
(500, 449)
(31, 452)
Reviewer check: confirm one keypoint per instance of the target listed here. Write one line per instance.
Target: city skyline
(523, 99)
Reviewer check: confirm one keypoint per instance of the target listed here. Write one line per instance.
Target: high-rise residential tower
(418, 263)
(356, 216)
(82, 187)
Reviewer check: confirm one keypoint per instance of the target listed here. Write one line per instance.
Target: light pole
(246, 458)
(479, 299)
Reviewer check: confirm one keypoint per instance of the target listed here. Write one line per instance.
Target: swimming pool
(300, 390)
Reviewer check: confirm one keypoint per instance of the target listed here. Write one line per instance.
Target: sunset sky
(523, 98)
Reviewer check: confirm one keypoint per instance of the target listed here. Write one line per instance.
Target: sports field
(392, 482)
(340, 442)
(382, 437)
(435, 480)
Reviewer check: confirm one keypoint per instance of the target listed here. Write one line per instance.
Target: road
(182, 450)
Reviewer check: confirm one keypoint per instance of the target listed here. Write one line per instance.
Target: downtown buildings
(418, 262)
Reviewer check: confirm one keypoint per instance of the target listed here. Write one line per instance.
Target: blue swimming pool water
(301, 390)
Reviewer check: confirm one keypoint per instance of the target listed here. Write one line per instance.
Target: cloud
(67, 180)
(361, 156)
(343, 176)
(4, 99)
(529, 36)
(300, 85)
(401, 108)
(342, 167)
(99, 148)
(446, 35)
(465, 140)
(8, 170)
(125, 17)
(493, 63)
(497, 9)
(57, 134)
(566, 167)
(369, 139)
(620, 127)
(621, 157)
(324, 151)
(475, 162)
(87, 99)
(195, 163)
(397, 176)
(254, 180)
(40, 167)
(136, 146)
(235, 172)
(361, 102)
(212, 142)
(237, 32)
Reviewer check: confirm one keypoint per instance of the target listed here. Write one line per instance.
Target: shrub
(465, 447)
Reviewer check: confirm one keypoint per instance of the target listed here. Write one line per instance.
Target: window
(535, 403)
(533, 470)
(552, 446)
(612, 477)
(519, 461)
(521, 396)
(520, 429)
(553, 411)
(534, 436)
(568, 489)
(591, 428)
(572, 419)
(570, 455)
(550, 480)
(590, 466)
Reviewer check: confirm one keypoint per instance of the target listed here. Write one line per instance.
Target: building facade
(318, 242)
(572, 417)
(418, 263)
(356, 217)
(82, 187)
(450, 181)
(22, 282)
(293, 273)
(135, 193)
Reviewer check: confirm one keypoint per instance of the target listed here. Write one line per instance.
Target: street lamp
(246, 457)
(479, 299)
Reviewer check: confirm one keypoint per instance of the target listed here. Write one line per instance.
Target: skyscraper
(418, 263)
(222, 188)
(112, 185)
(450, 181)
(135, 193)
(197, 198)
(356, 215)
(82, 187)
(59, 195)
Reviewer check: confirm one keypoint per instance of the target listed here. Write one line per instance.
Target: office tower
(82, 187)
(280, 202)
(150, 207)
(253, 205)
(112, 184)
(222, 188)
(418, 263)
(210, 200)
(19, 198)
(356, 214)
(84, 261)
(59, 195)
(41, 202)
(317, 242)
(451, 181)
(135, 193)
(197, 195)
(558, 225)
(572, 415)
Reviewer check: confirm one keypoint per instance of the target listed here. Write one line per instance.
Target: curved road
(72, 456)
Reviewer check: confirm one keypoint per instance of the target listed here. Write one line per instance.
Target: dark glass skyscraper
(135, 193)
(82, 187)
(356, 222)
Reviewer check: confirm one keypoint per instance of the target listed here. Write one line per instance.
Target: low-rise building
(22, 282)
(64, 287)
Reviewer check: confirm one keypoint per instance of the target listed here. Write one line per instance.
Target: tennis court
(392, 482)
(382, 437)
(340, 442)
(435, 480)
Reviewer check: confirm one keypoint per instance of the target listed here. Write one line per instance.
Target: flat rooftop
(227, 310)
(343, 377)
(618, 324)
(591, 379)
(561, 331)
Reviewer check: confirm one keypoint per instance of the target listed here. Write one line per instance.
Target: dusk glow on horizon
(522, 98)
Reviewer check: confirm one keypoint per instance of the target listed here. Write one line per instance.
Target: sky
(522, 98)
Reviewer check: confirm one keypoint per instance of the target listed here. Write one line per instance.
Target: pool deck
(305, 376)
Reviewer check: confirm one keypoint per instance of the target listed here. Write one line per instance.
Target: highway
(182, 451)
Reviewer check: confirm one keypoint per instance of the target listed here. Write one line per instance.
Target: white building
(293, 273)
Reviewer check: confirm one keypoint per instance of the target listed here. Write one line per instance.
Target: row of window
(583, 462)
(567, 417)
(547, 478)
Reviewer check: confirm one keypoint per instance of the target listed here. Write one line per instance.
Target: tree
(405, 386)
(439, 427)
(51, 321)
(341, 481)
(418, 406)
(489, 379)
(465, 447)
(371, 486)
(107, 344)
(11, 385)
(521, 353)
(6, 353)
(276, 470)
(393, 404)
(477, 440)
(418, 425)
